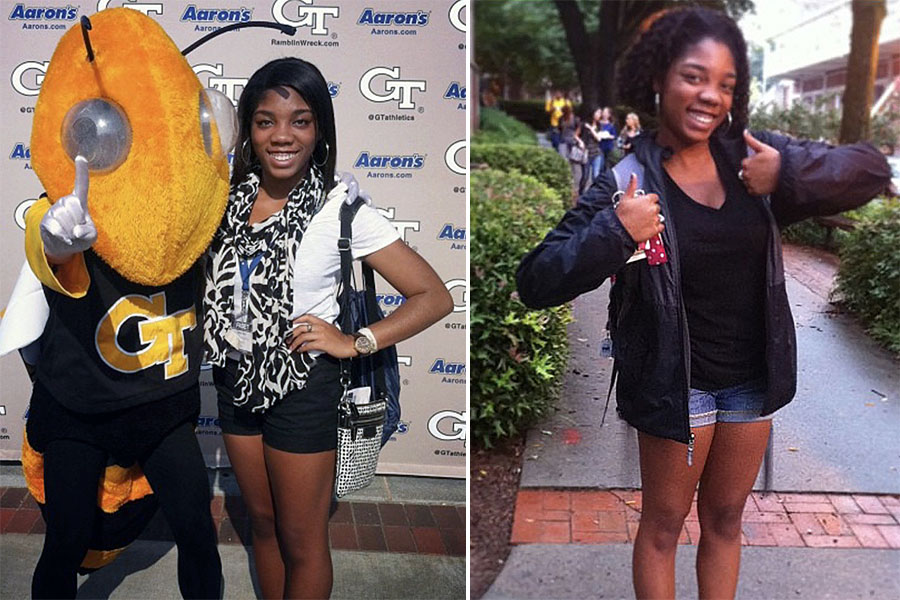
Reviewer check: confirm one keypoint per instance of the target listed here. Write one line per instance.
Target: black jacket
(650, 333)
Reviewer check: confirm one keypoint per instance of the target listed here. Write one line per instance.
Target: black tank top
(722, 254)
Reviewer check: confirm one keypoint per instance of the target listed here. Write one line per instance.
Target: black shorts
(303, 422)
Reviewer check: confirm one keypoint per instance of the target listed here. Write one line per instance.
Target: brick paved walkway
(549, 516)
(368, 526)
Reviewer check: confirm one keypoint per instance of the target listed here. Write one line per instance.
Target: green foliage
(523, 44)
(497, 127)
(821, 121)
(869, 276)
(532, 112)
(809, 233)
(544, 164)
(518, 355)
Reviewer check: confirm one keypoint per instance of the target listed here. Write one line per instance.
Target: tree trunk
(596, 55)
(580, 46)
(861, 66)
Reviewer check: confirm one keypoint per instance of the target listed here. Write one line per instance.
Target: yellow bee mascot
(116, 394)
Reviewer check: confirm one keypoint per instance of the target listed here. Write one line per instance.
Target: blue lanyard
(247, 269)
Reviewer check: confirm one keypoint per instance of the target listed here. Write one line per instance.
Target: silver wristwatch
(364, 342)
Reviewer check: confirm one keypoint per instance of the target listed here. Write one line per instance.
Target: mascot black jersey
(122, 343)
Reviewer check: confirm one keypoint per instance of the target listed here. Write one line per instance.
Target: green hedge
(544, 164)
(532, 112)
(869, 276)
(497, 127)
(518, 355)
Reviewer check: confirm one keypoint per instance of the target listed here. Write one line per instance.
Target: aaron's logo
(161, 335)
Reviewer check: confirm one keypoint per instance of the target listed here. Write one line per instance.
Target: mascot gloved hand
(67, 228)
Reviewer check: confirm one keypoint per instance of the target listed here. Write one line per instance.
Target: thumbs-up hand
(760, 170)
(67, 228)
(639, 214)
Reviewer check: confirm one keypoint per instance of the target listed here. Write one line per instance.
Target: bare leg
(302, 486)
(731, 468)
(667, 488)
(249, 463)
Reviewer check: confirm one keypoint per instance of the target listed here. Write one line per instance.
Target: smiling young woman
(270, 310)
(704, 343)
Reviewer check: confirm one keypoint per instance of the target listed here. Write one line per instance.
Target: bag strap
(347, 213)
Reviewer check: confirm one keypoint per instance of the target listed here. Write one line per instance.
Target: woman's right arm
(588, 245)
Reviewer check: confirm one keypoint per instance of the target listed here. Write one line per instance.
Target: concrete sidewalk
(840, 435)
(402, 537)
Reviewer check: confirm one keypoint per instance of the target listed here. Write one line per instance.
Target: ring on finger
(309, 328)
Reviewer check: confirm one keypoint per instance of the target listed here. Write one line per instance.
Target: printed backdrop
(396, 71)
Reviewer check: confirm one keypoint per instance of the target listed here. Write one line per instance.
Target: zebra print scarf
(267, 370)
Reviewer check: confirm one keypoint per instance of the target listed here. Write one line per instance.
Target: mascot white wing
(25, 316)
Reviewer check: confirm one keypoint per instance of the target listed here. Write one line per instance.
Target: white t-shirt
(317, 272)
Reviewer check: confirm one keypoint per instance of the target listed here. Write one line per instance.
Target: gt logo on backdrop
(449, 425)
(450, 157)
(147, 8)
(307, 15)
(460, 299)
(227, 85)
(398, 90)
(161, 334)
(21, 209)
(401, 226)
(28, 76)
(455, 15)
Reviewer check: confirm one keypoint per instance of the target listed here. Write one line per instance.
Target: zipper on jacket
(690, 455)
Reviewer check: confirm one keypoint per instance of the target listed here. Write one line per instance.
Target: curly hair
(667, 39)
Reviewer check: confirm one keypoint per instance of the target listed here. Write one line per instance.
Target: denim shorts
(737, 404)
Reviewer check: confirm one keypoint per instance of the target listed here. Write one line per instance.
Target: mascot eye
(98, 130)
(216, 107)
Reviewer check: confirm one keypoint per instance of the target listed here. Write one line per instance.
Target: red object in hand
(656, 254)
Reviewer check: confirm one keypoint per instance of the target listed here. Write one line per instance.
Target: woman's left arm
(427, 300)
(814, 178)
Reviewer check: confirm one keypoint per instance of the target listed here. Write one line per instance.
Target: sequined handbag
(358, 445)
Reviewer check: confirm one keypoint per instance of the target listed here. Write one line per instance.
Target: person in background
(605, 133)
(270, 307)
(703, 339)
(554, 107)
(586, 133)
(632, 129)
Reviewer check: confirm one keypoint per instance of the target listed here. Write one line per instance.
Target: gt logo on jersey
(161, 334)
(398, 90)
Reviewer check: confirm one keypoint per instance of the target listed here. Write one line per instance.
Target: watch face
(362, 345)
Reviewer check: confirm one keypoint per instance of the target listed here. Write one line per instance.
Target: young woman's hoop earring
(730, 121)
(656, 101)
(324, 160)
(246, 154)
